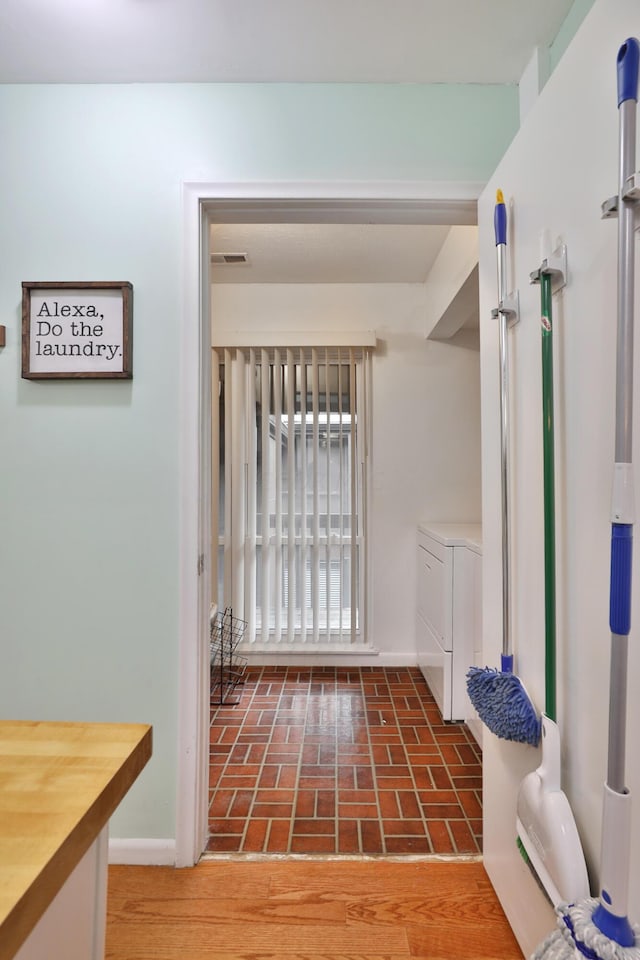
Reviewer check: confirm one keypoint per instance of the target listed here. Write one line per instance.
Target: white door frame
(307, 202)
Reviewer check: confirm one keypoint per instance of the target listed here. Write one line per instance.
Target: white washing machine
(448, 611)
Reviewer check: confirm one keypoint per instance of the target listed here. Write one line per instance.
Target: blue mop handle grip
(500, 220)
(628, 61)
(620, 595)
(506, 663)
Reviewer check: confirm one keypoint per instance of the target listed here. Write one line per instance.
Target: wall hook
(631, 191)
(510, 307)
(555, 265)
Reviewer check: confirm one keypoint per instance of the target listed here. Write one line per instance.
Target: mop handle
(622, 500)
(610, 917)
(548, 457)
(500, 228)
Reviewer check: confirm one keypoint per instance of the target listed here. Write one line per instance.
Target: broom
(599, 928)
(498, 696)
(546, 828)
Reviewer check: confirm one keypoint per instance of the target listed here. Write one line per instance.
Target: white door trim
(312, 202)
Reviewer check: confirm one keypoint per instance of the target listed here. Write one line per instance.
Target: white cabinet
(73, 925)
(448, 612)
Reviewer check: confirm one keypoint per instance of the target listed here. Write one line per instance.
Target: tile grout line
(445, 764)
(214, 716)
(336, 775)
(393, 698)
(477, 751)
(283, 682)
(447, 821)
(239, 728)
(474, 790)
(374, 776)
(249, 818)
(300, 753)
(410, 764)
(455, 788)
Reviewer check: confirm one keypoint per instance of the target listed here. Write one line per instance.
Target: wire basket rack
(227, 668)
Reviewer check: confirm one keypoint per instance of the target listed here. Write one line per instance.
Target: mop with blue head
(503, 704)
(598, 928)
(499, 697)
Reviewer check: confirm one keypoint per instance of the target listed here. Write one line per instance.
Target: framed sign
(77, 330)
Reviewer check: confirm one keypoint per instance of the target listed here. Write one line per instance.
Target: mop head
(503, 705)
(577, 936)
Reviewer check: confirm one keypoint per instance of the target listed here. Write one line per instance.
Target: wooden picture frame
(74, 331)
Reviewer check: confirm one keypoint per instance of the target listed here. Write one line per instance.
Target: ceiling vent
(229, 259)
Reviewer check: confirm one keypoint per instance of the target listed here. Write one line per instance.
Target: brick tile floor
(341, 760)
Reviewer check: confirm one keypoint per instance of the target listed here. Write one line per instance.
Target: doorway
(203, 204)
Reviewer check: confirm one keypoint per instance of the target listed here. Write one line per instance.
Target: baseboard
(365, 657)
(475, 725)
(143, 853)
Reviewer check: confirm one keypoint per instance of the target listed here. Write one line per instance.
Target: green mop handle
(546, 320)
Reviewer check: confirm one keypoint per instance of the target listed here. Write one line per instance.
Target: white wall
(91, 178)
(561, 166)
(425, 419)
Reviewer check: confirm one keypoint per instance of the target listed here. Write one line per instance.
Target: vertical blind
(289, 448)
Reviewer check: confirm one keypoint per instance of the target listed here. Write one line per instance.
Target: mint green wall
(91, 190)
(567, 31)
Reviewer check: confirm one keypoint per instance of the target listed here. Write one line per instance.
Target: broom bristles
(503, 705)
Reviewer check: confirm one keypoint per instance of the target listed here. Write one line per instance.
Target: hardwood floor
(308, 909)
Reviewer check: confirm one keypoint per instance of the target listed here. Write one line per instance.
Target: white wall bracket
(631, 192)
(555, 265)
(510, 307)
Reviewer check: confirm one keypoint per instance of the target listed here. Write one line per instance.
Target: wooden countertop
(59, 785)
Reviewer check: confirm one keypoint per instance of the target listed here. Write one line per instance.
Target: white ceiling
(413, 41)
(326, 252)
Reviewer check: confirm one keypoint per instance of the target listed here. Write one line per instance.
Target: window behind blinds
(289, 452)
